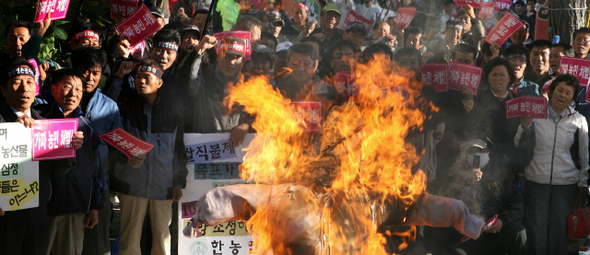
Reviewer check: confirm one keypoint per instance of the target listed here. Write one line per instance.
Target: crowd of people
(530, 173)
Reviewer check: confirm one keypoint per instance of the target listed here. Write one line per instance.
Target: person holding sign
(516, 54)
(473, 30)
(26, 231)
(76, 195)
(157, 178)
(557, 176)
(444, 47)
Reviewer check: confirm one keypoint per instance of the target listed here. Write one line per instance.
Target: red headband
(302, 6)
(86, 34)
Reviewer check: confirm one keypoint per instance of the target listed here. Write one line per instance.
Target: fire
(352, 179)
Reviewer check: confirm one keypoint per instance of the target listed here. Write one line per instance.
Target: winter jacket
(554, 145)
(164, 167)
(80, 189)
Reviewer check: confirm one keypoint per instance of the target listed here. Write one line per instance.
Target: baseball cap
(331, 7)
(356, 27)
(156, 11)
(284, 46)
(190, 28)
(274, 17)
(232, 45)
(260, 49)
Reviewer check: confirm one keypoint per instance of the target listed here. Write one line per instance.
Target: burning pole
(332, 201)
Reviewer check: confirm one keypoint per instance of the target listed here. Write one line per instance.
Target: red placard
(542, 22)
(52, 139)
(502, 4)
(138, 26)
(504, 29)
(461, 75)
(405, 15)
(345, 85)
(310, 112)
(487, 10)
(534, 106)
(37, 74)
(122, 8)
(576, 66)
(487, 226)
(435, 75)
(353, 16)
(242, 34)
(130, 145)
(58, 9)
(476, 4)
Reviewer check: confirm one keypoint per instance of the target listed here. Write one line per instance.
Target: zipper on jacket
(553, 151)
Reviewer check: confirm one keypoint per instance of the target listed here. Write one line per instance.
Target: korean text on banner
(57, 8)
(122, 8)
(52, 139)
(576, 66)
(502, 4)
(244, 35)
(435, 75)
(405, 15)
(130, 145)
(310, 112)
(504, 29)
(212, 172)
(36, 67)
(345, 85)
(19, 188)
(138, 26)
(461, 75)
(476, 4)
(487, 10)
(534, 106)
(353, 16)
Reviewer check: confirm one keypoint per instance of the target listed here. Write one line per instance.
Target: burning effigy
(329, 192)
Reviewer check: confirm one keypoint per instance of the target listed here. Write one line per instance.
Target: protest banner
(52, 139)
(542, 21)
(310, 112)
(122, 8)
(476, 4)
(138, 26)
(502, 4)
(345, 85)
(587, 97)
(576, 66)
(36, 67)
(504, 29)
(138, 48)
(487, 10)
(19, 174)
(227, 238)
(405, 15)
(242, 34)
(130, 145)
(435, 75)
(57, 8)
(534, 106)
(461, 75)
(353, 16)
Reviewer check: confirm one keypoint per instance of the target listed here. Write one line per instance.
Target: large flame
(360, 163)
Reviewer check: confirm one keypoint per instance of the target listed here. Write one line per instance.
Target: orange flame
(362, 163)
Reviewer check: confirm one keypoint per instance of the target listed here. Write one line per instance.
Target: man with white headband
(452, 37)
(516, 54)
(148, 116)
(26, 231)
(87, 34)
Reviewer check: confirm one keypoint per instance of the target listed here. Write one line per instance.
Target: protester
(539, 60)
(516, 54)
(473, 30)
(355, 32)
(581, 42)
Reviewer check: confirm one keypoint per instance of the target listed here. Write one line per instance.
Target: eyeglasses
(68, 87)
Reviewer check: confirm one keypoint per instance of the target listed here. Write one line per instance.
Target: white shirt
(20, 114)
(371, 13)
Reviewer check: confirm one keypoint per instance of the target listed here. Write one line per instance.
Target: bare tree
(565, 16)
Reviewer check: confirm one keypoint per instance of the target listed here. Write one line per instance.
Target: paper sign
(353, 16)
(435, 75)
(122, 8)
(140, 47)
(138, 26)
(345, 85)
(576, 66)
(487, 226)
(58, 9)
(19, 188)
(463, 74)
(189, 209)
(504, 29)
(534, 106)
(310, 112)
(502, 4)
(476, 4)
(242, 34)
(210, 151)
(52, 139)
(487, 10)
(542, 21)
(405, 15)
(130, 145)
(36, 67)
